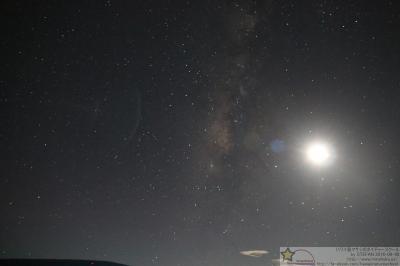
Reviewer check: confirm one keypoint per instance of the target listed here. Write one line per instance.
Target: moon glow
(319, 153)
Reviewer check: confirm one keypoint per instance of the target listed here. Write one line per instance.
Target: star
(287, 255)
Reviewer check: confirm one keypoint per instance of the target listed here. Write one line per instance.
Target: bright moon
(319, 153)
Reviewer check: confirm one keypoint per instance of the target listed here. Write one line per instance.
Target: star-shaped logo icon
(287, 255)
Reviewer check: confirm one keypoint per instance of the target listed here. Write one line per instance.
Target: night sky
(175, 133)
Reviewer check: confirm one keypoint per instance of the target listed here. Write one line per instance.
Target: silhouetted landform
(51, 262)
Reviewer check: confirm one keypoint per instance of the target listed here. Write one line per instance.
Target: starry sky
(171, 132)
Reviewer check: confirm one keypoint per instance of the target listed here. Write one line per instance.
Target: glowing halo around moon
(319, 153)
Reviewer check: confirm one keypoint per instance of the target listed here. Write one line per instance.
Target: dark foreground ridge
(51, 262)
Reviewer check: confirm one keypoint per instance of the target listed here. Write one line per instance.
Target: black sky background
(140, 131)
